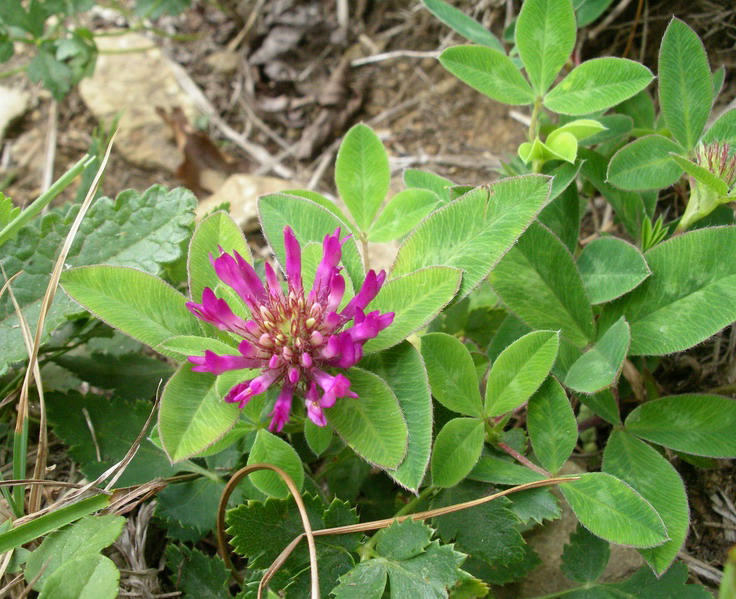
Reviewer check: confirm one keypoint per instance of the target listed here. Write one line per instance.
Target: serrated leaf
(685, 86)
(403, 540)
(83, 577)
(598, 84)
(679, 306)
(651, 475)
(539, 282)
(456, 450)
(474, 231)
(519, 371)
(366, 581)
(612, 510)
(142, 231)
(696, 424)
(466, 26)
(373, 425)
(488, 71)
(536, 504)
(310, 222)
(8, 211)
(585, 557)
(451, 374)
(270, 449)
(403, 212)
(415, 299)
(216, 231)
(645, 164)
(599, 367)
(87, 536)
(189, 508)
(611, 267)
(116, 424)
(429, 575)
(55, 76)
(362, 174)
(193, 415)
(197, 575)
(488, 531)
(545, 38)
(553, 430)
(403, 369)
(645, 585)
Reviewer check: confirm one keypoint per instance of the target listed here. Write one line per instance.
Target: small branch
(522, 459)
(359, 62)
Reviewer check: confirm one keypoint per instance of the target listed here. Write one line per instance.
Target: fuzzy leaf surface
(553, 430)
(611, 267)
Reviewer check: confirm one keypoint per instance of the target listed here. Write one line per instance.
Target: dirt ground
(290, 78)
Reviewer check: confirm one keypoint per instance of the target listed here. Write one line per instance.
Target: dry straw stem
(341, 530)
(53, 285)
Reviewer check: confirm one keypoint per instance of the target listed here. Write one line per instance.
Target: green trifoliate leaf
(538, 281)
(599, 367)
(545, 37)
(270, 449)
(552, 427)
(492, 469)
(519, 371)
(488, 71)
(374, 425)
(612, 510)
(724, 129)
(651, 475)
(142, 231)
(679, 306)
(362, 174)
(403, 369)
(88, 536)
(585, 557)
(696, 424)
(426, 180)
(451, 374)
(216, 231)
(611, 267)
(403, 212)
(463, 24)
(598, 84)
(456, 450)
(197, 574)
(685, 85)
(87, 576)
(193, 414)
(310, 222)
(645, 164)
(415, 299)
(474, 231)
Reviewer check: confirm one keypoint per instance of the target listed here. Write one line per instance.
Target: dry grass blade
(232, 483)
(46, 306)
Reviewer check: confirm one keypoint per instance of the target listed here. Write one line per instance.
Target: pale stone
(13, 104)
(242, 191)
(134, 83)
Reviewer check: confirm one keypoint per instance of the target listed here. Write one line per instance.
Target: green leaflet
(456, 450)
(553, 430)
(270, 449)
(611, 267)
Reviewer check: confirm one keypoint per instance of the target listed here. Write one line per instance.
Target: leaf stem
(522, 459)
(364, 246)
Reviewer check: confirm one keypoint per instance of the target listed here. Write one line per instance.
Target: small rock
(242, 191)
(224, 62)
(13, 104)
(134, 83)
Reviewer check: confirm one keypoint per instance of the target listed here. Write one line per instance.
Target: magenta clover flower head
(717, 158)
(295, 339)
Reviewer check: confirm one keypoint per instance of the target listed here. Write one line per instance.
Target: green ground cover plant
(352, 433)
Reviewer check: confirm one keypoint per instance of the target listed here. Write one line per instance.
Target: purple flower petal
(217, 364)
(274, 287)
(332, 252)
(238, 274)
(314, 409)
(242, 393)
(293, 259)
(217, 312)
(370, 288)
(281, 409)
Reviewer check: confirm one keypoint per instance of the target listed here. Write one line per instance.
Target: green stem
(20, 451)
(534, 121)
(43, 200)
